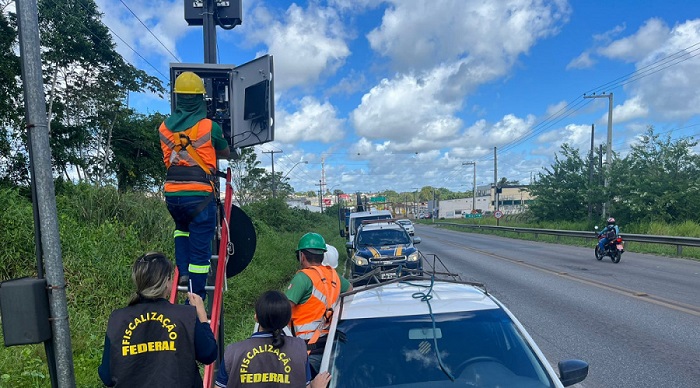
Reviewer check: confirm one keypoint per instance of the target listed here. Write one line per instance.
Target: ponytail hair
(152, 273)
(274, 313)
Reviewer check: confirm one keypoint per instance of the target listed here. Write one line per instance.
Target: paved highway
(636, 323)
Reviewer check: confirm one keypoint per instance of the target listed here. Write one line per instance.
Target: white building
(513, 199)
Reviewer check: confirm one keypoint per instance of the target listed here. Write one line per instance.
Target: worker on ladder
(191, 145)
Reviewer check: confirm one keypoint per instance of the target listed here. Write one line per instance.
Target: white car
(416, 332)
(408, 225)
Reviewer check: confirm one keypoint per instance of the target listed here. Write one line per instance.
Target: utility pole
(59, 350)
(608, 152)
(590, 173)
(415, 205)
(323, 175)
(473, 185)
(496, 197)
(274, 178)
(320, 195)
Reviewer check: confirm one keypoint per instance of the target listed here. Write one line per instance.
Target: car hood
(385, 251)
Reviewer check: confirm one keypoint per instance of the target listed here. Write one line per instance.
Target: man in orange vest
(312, 292)
(191, 145)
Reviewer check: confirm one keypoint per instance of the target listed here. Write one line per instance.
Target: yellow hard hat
(189, 83)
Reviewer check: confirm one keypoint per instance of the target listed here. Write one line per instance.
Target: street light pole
(272, 154)
(474, 185)
(295, 164)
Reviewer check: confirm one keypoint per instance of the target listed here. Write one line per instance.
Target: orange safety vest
(311, 319)
(190, 158)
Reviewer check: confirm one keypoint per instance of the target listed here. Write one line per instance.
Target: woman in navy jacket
(152, 342)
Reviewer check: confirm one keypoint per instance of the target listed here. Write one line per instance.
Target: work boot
(184, 281)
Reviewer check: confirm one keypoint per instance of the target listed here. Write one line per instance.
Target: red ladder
(219, 283)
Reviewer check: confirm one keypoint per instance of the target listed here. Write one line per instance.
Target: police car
(422, 332)
(385, 248)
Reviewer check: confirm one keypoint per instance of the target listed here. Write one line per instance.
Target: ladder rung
(186, 289)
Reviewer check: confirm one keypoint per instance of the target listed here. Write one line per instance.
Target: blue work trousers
(193, 238)
(601, 244)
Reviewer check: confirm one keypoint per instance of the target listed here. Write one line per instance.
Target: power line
(67, 12)
(149, 30)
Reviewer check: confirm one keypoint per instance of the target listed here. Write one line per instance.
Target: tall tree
(560, 191)
(13, 162)
(659, 180)
(86, 79)
(246, 176)
(137, 159)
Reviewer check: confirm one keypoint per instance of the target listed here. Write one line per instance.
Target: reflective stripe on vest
(201, 142)
(310, 315)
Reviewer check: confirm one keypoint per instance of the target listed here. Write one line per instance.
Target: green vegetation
(102, 232)
(657, 181)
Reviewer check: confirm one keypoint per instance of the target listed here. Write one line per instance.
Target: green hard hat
(312, 241)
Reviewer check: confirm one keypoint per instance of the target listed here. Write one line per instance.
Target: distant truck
(354, 220)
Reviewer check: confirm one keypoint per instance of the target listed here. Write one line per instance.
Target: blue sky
(398, 94)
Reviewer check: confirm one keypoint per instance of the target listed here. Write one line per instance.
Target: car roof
(370, 213)
(397, 299)
(381, 225)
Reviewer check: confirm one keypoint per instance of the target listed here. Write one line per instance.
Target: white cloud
(501, 133)
(647, 39)
(583, 61)
(312, 121)
(306, 43)
(573, 134)
(669, 86)
(556, 109)
(407, 107)
(633, 108)
(414, 35)
(164, 18)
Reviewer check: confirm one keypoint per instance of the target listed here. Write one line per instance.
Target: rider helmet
(312, 242)
(611, 221)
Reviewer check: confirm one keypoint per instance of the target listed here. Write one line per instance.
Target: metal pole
(590, 173)
(473, 185)
(474, 189)
(42, 179)
(608, 154)
(495, 184)
(209, 29)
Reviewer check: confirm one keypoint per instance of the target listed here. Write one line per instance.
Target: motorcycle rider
(607, 237)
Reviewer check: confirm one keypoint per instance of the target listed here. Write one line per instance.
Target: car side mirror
(348, 245)
(416, 240)
(342, 233)
(572, 371)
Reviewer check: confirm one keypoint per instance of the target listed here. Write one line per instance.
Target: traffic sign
(476, 215)
(498, 214)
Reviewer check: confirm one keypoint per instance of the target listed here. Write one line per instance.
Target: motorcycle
(614, 248)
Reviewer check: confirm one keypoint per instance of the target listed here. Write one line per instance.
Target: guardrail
(679, 242)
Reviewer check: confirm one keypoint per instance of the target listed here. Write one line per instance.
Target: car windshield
(479, 348)
(404, 222)
(381, 237)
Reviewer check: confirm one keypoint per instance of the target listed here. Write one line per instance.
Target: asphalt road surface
(636, 323)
